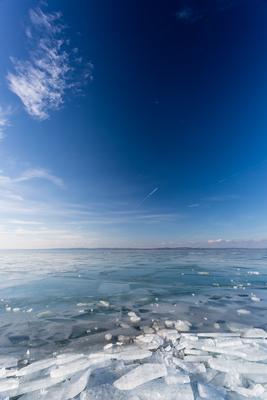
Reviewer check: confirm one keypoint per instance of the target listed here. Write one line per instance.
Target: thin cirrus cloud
(51, 69)
(29, 174)
(193, 205)
(215, 199)
(191, 12)
(40, 173)
(4, 120)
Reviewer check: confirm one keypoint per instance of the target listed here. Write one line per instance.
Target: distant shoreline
(135, 248)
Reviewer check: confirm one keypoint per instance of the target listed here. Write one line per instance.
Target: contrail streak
(148, 195)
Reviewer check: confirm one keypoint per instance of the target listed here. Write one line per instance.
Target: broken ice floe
(163, 362)
(140, 375)
(133, 316)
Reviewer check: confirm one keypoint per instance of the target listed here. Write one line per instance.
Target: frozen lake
(58, 301)
(51, 298)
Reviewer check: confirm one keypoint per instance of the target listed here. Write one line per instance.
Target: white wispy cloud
(4, 120)
(221, 198)
(8, 182)
(24, 222)
(52, 67)
(40, 173)
(212, 241)
(45, 237)
(191, 12)
(215, 199)
(193, 205)
(187, 14)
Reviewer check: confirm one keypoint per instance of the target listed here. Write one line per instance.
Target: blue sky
(133, 124)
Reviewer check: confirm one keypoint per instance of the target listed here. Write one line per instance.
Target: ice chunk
(150, 341)
(236, 327)
(210, 375)
(104, 303)
(182, 325)
(255, 378)
(38, 384)
(5, 373)
(158, 390)
(201, 358)
(69, 369)
(147, 329)
(228, 342)
(36, 366)
(210, 392)
(8, 362)
(188, 340)
(223, 350)
(140, 375)
(8, 384)
(223, 379)
(66, 358)
(243, 367)
(100, 357)
(169, 323)
(128, 353)
(108, 346)
(252, 391)
(254, 298)
(191, 368)
(52, 393)
(195, 352)
(83, 395)
(253, 353)
(132, 353)
(242, 311)
(247, 352)
(76, 385)
(108, 336)
(177, 378)
(254, 333)
(217, 334)
(169, 334)
(133, 316)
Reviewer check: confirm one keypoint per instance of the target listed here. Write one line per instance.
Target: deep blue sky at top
(177, 103)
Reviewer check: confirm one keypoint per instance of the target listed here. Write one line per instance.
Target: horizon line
(137, 248)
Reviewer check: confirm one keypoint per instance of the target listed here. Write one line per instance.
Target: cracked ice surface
(187, 324)
(207, 366)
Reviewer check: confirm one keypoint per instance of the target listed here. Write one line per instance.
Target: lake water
(51, 300)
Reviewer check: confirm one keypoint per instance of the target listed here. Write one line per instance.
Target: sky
(133, 123)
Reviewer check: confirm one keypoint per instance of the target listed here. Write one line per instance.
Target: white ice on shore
(76, 385)
(8, 384)
(104, 303)
(133, 316)
(69, 369)
(8, 362)
(183, 326)
(66, 358)
(210, 393)
(36, 366)
(242, 311)
(161, 363)
(140, 375)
